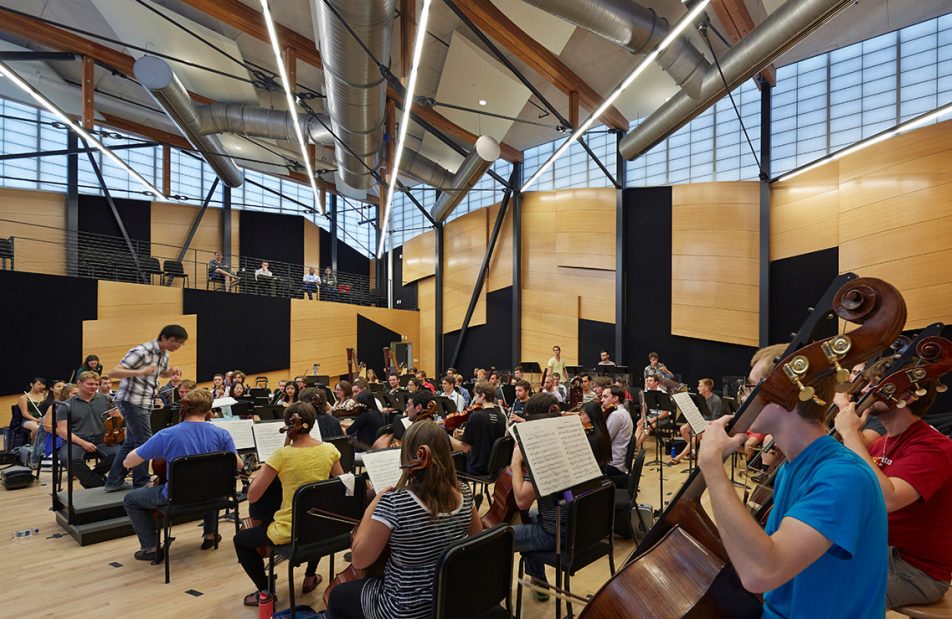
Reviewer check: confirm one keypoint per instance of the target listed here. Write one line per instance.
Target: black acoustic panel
(239, 332)
(276, 238)
(325, 249)
(648, 282)
(796, 283)
(486, 345)
(349, 260)
(404, 296)
(95, 216)
(593, 338)
(43, 316)
(372, 338)
(103, 252)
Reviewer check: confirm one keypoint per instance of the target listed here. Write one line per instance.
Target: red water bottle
(265, 605)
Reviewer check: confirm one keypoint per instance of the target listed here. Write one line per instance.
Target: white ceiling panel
(551, 31)
(652, 88)
(138, 25)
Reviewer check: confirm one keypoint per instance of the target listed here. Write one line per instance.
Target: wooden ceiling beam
(738, 23)
(497, 25)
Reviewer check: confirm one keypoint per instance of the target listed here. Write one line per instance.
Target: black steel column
(764, 302)
(333, 215)
(72, 205)
(621, 289)
(438, 302)
(517, 176)
(226, 224)
(380, 265)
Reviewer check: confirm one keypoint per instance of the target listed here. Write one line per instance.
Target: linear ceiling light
(55, 111)
(404, 122)
(292, 104)
(909, 125)
(683, 23)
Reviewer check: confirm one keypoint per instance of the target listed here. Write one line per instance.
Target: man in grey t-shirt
(85, 411)
(715, 407)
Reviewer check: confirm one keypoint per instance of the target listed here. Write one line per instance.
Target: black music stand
(530, 367)
(445, 405)
(702, 407)
(574, 370)
(508, 394)
(658, 401)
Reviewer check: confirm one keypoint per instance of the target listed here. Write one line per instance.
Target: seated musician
(449, 390)
(540, 535)
(359, 385)
(518, 406)
(598, 385)
(485, 425)
(605, 359)
(715, 409)
(588, 389)
(549, 387)
(761, 364)
(559, 386)
(463, 391)
(649, 417)
(656, 368)
(86, 410)
(190, 437)
(421, 375)
(368, 421)
(497, 382)
(427, 512)
(620, 428)
(303, 460)
(416, 410)
(599, 438)
(277, 394)
(328, 425)
(105, 386)
(345, 404)
(821, 554)
(913, 463)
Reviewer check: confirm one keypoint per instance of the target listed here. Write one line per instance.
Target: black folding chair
(475, 575)
(316, 534)
(148, 268)
(207, 485)
(173, 269)
(499, 458)
(346, 449)
(589, 538)
(625, 497)
(6, 253)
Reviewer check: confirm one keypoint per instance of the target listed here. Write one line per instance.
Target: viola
(115, 428)
(684, 544)
(575, 393)
(453, 421)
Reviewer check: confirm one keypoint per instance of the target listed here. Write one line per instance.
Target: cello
(684, 544)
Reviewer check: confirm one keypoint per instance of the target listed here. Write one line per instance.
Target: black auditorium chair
(625, 497)
(207, 484)
(589, 538)
(173, 269)
(317, 529)
(499, 458)
(474, 576)
(149, 267)
(6, 253)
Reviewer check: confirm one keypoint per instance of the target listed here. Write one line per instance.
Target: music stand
(658, 401)
(530, 367)
(445, 405)
(405, 380)
(508, 394)
(702, 407)
(377, 387)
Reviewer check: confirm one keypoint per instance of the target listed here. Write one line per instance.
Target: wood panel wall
(312, 246)
(37, 220)
(888, 208)
(500, 265)
(465, 241)
(419, 257)
(715, 256)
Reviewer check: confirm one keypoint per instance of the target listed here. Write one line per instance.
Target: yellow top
(297, 466)
(557, 366)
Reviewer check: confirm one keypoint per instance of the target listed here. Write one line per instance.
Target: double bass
(684, 544)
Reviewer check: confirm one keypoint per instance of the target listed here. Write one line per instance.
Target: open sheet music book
(557, 453)
(268, 439)
(690, 411)
(383, 467)
(241, 431)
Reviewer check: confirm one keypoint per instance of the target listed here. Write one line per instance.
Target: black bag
(15, 477)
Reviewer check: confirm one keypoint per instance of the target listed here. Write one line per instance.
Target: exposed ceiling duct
(421, 168)
(784, 28)
(355, 88)
(637, 29)
(259, 122)
(484, 153)
(157, 77)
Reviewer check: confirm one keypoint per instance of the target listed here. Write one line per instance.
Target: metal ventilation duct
(484, 153)
(355, 88)
(430, 172)
(259, 122)
(157, 77)
(783, 29)
(637, 29)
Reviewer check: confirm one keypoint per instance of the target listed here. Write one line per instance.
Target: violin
(115, 425)
(453, 421)
(575, 393)
(684, 544)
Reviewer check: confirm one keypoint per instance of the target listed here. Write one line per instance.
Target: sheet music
(690, 411)
(268, 439)
(558, 453)
(406, 422)
(383, 467)
(241, 431)
(226, 401)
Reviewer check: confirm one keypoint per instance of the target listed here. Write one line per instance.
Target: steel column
(333, 215)
(621, 288)
(195, 223)
(764, 260)
(72, 205)
(516, 201)
(438, 304)
(226, 223)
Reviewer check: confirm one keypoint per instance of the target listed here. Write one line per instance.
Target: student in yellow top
(301, 461)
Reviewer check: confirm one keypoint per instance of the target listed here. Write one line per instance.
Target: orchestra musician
(345, 404)
(715, 409)
(301, 461)
(516, 413)
(463, 391)
(86, 410)
(657, 369)
(649, 418)
(555, 362)
(486, 424)
(620, 427)
(190, 437)
(913, 465)
(427, 512)
(599, 438)
(761, 364)
(327, 424)
(417, 404)
(605, 360)
(821, 554)
(549, 387)
(559, 386)
(449, 390)
(368, 421)
(588, 389)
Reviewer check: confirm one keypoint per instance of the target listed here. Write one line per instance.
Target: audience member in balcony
(311, 281)
(90, 364)
(328, 278)
(265, 278)
(218, 271)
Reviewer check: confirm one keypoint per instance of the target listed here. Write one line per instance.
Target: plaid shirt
(140, 390)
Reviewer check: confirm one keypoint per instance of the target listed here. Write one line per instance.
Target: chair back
(346, 449)
(150, 264)
(459, 461)
(474, 575)
(591, 518)
(174, 267)
(309, 531)
(500, 456)
(634, 474)
(205, 478)
(6, 247)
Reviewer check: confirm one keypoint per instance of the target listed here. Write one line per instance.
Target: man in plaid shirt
(140, 371)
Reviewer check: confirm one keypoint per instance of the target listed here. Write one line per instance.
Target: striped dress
(416, 543)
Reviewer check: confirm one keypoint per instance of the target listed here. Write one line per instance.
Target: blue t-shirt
(832, 490)
(186, 439)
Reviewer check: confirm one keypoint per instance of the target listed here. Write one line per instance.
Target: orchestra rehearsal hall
(474, 309)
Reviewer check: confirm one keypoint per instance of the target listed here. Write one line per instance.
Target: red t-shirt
(920, 531)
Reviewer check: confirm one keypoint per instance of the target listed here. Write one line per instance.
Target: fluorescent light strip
(292, 104)
(683, 23)
(51, 108)
(404, 121)
(909, 125)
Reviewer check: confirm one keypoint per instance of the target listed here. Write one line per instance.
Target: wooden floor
(66, 580)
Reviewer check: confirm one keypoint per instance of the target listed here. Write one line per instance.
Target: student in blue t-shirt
(190, 437)
(823, 552)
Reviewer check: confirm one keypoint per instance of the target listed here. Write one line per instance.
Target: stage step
(94, 505)
(96, 532)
